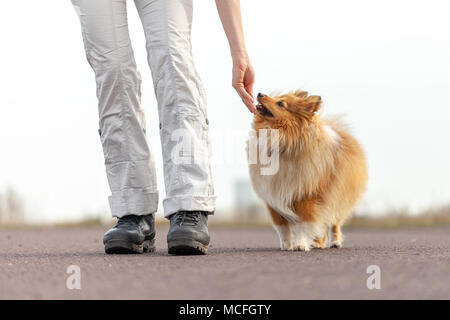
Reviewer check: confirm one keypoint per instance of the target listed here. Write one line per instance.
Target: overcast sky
(384, 65)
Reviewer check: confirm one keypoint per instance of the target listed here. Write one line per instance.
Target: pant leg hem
(189, 203)
(133, 202)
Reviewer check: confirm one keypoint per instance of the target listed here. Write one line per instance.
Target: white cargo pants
(181, 106)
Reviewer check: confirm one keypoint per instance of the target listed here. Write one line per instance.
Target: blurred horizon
(384, 68)
(247, 210)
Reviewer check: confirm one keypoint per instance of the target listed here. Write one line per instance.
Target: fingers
(249, 89)
(249, 80)
(246, 97)
(243, 79)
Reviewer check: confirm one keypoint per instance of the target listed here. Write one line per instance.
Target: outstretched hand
(243, 80)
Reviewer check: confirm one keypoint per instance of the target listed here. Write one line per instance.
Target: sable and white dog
(321, 173)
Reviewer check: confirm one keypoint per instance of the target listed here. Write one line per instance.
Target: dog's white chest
(277, 190)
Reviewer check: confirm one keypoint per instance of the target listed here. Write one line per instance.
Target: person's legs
(129, 163)
(183, 123)
(181, 106)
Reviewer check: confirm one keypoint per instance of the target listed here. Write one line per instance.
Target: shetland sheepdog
(321, 175)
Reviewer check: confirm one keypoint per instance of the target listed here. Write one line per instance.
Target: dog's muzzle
(262, 110)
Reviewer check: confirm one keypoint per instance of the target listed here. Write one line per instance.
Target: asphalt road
(243, 263)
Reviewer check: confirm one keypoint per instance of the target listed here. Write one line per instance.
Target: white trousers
(181, 106)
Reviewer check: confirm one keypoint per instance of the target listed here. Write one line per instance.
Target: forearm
(243, 74)
(230, 15)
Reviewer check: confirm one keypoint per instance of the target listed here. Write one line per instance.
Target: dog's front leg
(302, 236)
(285, 235)
(283, 229)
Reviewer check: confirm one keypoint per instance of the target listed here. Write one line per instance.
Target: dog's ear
(313, 103)
(300, 94)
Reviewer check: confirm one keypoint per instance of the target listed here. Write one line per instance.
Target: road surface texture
(243, 263)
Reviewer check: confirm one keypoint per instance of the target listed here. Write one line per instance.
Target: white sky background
(385, 65)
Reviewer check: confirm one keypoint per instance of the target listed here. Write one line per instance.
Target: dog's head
(291, 109)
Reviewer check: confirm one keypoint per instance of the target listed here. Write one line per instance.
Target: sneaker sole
(124, 247)
(186, 247)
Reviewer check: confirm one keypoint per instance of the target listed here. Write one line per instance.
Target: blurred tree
(11, 207)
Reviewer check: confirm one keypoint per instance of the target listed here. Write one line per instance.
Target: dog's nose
(260, 95)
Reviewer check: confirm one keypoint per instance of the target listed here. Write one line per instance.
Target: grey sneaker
(131, 234)
(188, 233)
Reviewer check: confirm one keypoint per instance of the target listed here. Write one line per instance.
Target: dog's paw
(319, 244)
(287, 246)
(336, 244)
(302, 247)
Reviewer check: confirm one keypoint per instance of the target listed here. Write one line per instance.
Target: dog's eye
(280, 103)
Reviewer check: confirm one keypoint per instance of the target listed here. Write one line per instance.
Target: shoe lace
(187, 218)
(127, 220)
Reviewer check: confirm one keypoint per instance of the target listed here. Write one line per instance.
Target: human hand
(243, 80)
